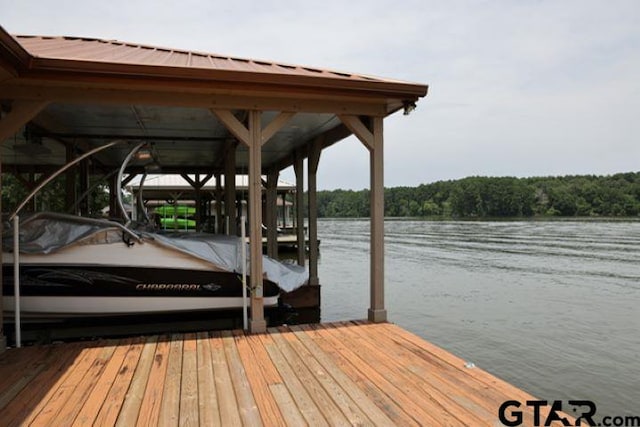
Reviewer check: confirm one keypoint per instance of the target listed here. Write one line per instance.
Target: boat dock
(350, 373)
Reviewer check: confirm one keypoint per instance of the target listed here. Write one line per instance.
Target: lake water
(549, 306)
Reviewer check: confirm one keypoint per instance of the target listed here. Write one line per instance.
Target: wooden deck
(333, 374)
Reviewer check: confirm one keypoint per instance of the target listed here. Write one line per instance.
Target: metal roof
(118, 52)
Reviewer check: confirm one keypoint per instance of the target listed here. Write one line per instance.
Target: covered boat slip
(73, 267)
(356, 373)
(199, 114)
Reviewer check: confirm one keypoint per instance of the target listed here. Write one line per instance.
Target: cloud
(516, 88)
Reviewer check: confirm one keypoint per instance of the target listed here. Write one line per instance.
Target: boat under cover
(72, 266)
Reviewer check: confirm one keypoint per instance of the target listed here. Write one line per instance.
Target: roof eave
(177, 74)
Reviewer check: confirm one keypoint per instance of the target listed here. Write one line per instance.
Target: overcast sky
(518, 88)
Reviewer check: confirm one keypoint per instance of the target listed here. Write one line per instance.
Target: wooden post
(298, 168)
(257, 324)
(84, 186)
(219, 219)
(272, 213)
(113, 199)
(377, 311)
(70, 181)
(230, 187)
(3, 338)
(253, 138)
(372, 137)
(284, 210)
(198, 203)
(314, 159)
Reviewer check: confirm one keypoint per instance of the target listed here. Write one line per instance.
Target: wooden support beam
(191, 182)
(128, 179)
(84, 186)
(203, 181)
(114, 209)
(359, 129)
(70, 180)
(314, 159)
(3, 337)
(258, 323)
(179, 97)
(233, 125)
(21, 112)
(298, 168)
(218, 194)
(271, 213)
(240, 131)
(230, 187)
(377, 311)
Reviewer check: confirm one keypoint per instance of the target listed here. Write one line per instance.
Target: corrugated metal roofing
(116, 52)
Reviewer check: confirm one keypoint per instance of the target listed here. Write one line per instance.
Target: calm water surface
(551, 307)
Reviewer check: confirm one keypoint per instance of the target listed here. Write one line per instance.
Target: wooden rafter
(240, 131)
(233, 125)
(359, 129)
(197, 183)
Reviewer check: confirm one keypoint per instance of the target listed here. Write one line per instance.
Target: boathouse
(199, 113)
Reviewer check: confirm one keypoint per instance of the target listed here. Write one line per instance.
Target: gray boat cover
(46, 232)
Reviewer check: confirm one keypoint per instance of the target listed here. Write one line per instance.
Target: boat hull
(59, 291)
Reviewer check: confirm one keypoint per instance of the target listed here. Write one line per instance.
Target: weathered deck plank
(350, 373)
(330, 410)
(208, 410)
(170, 407)
(111, 408)
(333, 387)
(246, 402)
(130, 409)
(189, 409)
(229, 412)
(266, 403)
(308, 408)
(100, 391)
(152, 400)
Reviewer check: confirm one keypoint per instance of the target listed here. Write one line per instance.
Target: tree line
(51, 198)
(473, 197)
(486, 197)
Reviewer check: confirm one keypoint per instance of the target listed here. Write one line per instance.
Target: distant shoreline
(573, 196)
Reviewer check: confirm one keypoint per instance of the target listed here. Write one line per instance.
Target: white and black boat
(72, 266)
(79, 267)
